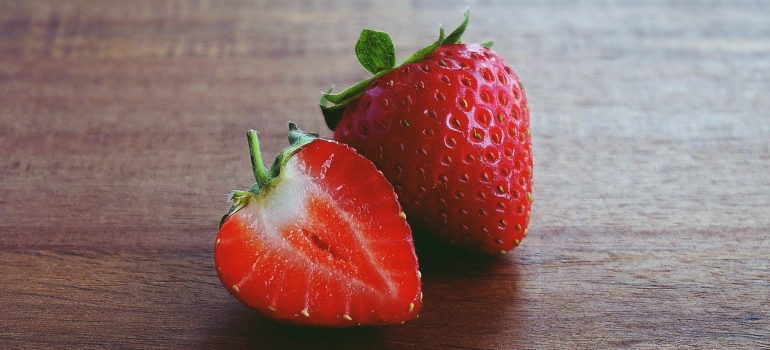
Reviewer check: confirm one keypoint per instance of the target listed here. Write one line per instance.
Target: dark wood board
(122, 131)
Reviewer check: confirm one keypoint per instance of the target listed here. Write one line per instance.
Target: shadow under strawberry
(249, 330)
(470, 298)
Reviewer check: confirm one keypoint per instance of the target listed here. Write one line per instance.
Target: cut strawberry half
(319, 240)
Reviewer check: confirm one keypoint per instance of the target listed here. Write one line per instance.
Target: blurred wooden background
(122, 130)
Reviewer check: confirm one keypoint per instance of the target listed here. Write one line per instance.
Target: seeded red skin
(278, 280)
(451, 133)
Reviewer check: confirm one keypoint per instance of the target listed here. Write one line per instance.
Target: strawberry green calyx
(267, 179)
(297, 140)
(376, 53)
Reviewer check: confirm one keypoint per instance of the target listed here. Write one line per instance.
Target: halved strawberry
(319, 240)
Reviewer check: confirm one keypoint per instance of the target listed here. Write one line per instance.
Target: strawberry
(311, 244)
(449, 128)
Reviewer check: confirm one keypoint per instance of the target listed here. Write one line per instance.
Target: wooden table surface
(122, 130)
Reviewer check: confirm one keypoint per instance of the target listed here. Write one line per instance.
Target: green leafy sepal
(376, 53)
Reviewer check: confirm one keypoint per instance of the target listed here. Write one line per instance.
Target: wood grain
(122, 130)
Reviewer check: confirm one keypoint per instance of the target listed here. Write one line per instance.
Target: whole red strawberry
(449, 128)
(311, 244)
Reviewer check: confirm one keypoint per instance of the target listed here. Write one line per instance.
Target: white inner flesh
(286, 203)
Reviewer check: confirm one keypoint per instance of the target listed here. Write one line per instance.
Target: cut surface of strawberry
(320, 240)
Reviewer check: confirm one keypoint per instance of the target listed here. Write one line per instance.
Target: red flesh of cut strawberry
(325, 244)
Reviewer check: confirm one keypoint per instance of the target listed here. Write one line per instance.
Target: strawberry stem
(267, 179)
(260, 173)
